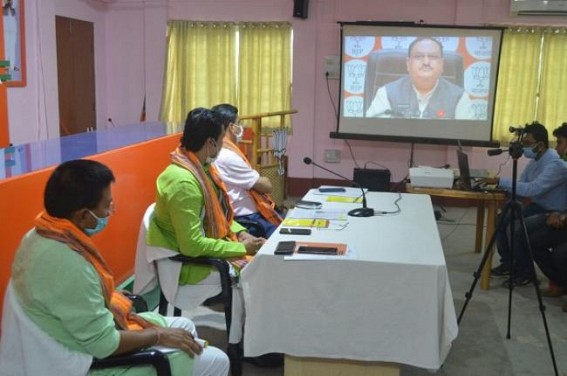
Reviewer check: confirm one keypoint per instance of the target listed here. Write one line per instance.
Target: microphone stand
(358, 212)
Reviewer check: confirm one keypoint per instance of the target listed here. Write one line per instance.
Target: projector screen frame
(485, 140)
(414, 140)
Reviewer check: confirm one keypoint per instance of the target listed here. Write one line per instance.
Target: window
(532, 83)
(247, 64)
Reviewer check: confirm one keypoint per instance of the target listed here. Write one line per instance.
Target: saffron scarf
(218, 212)
(65, 231)
(263, 201)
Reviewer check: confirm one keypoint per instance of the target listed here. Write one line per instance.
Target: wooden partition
(135, 168)
(257, 146)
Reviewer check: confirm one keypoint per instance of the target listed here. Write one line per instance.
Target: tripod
(513, 208)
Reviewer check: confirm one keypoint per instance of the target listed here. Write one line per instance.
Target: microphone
(111, 122)
(358, 212)
(493, 152)
(518, 130)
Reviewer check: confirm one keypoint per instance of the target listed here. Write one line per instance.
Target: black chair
(152, 357)
(140, 304)
(388, 65)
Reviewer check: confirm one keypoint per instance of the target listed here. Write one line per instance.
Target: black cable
(331, 95)
(377, 164)
(398, 210)
(456, 225)
(337, 116)
(351, 153)
(400, 183)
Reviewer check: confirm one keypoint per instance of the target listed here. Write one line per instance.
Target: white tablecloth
(392, 304)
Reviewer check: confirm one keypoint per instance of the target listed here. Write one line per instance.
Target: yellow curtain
(264, 81)
(552, 109)
(200, 67)
(516, 98)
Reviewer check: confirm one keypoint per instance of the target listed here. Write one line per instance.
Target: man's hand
(251, 243)
(178, 338)
(556, 220)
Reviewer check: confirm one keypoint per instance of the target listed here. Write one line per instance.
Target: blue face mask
(529, 153)
(100, 224)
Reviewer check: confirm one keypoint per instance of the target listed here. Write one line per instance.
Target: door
(75, 74)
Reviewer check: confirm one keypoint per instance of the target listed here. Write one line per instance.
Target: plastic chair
(170, 263)
(388, 65)
(40, 353)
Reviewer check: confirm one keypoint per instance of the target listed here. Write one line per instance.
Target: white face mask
(239, 133)
(210, 159)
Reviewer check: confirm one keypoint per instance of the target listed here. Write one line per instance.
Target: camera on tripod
(515, 149)
(518, 130)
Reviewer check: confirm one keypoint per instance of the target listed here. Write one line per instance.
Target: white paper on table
(349, 191)
(330, 214)
(350, 254)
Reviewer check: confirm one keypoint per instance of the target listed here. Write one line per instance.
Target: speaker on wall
(300, 8)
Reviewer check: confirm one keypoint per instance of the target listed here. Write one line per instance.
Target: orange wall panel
(135, 168)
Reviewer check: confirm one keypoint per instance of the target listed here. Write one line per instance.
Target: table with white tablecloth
(392, 302)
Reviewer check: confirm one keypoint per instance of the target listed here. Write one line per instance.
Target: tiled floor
(481, 347)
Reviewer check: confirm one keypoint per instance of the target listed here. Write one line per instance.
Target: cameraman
(542, 185)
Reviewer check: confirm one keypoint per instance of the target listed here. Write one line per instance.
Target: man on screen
(423, 93)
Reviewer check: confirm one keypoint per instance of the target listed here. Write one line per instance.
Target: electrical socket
(332, 155)
(332, 67)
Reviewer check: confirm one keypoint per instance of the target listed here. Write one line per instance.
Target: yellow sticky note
(344, 199)
(307, 222)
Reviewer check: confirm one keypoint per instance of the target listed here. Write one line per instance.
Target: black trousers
(549, 248)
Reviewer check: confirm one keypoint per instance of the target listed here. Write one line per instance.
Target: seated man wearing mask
(542, 185)
(249, 192)
(547, 234)
(62, 287)
(193, 215)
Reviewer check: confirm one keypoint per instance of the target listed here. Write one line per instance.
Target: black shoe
(518, 281)
(270, 360)
(501, 270)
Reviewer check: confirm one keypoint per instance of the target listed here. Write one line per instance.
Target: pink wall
(130, 48)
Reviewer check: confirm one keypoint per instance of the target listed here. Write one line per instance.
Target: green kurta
(178, 223)
(61, 293)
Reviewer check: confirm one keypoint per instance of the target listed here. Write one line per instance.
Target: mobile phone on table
(295, 231)
(318, 250)
(304, 204)
(285, 248)
(331, 190)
